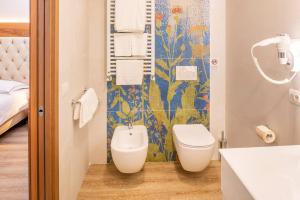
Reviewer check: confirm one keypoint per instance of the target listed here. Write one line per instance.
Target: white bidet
(129, 148)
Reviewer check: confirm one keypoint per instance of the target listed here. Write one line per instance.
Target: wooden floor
(158, 181)
(14, 164)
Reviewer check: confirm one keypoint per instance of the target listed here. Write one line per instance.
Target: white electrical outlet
(294, 97)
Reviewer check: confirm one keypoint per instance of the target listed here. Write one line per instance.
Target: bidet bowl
(129, 148)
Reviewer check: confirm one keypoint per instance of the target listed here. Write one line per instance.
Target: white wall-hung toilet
(129, 147)
(194, 145)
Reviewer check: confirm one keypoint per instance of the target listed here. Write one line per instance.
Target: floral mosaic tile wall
(182, 38)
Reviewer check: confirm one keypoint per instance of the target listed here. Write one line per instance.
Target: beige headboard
(14, 59)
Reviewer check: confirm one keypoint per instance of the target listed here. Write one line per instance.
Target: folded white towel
(9, 86)
(130, 44)
(130, 72)
(139, 44)
(123, 44)
(88, 106)
(130, 15)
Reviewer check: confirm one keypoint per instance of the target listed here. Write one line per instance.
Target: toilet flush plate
(186, 73)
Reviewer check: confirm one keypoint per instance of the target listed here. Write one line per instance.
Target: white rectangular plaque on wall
(186, 73)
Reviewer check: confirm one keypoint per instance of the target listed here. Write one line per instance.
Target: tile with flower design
(182, 38)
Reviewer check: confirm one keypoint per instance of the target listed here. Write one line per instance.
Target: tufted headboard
(14, 59)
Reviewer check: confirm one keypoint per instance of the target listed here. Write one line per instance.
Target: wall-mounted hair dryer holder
(288, 54)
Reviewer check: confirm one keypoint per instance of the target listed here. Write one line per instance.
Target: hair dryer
(288, 54)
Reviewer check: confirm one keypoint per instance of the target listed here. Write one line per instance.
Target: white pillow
(8, 87)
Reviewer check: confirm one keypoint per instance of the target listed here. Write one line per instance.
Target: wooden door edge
(43, 136)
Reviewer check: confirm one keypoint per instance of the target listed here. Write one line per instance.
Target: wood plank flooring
(14, 164)
(158, 181)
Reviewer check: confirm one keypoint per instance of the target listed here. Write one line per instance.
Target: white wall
(295, 114)
(82, 64)
(97, 79)
(14, 10)
(217, 81)
(251, 100)
(74, 77)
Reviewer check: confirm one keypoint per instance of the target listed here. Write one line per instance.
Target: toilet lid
(195, 135)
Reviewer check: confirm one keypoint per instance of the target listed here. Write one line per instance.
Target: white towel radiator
(149, 60)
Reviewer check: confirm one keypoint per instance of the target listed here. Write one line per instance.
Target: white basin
(261, 173)
(129, 148)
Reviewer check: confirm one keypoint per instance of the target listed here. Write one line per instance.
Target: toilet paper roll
(266, 134)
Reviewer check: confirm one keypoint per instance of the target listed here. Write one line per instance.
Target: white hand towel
(130, 72)
(130, 15)
(123, 44)
(139, 44)
(88, 106)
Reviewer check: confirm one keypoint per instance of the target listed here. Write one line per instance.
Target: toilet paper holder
(75, 101)
(266, 134)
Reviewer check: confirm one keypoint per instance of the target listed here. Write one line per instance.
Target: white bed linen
(13, 103)
(9, 86)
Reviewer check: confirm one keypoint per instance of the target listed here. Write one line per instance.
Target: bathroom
(200, 85)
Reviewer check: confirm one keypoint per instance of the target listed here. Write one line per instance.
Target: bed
(14, 80)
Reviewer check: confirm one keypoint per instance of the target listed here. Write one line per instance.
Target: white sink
(261, 173)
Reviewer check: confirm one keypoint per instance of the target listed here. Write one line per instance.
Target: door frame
(44, 99)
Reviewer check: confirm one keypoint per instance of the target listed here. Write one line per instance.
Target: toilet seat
(196, 136)
(195, 147)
